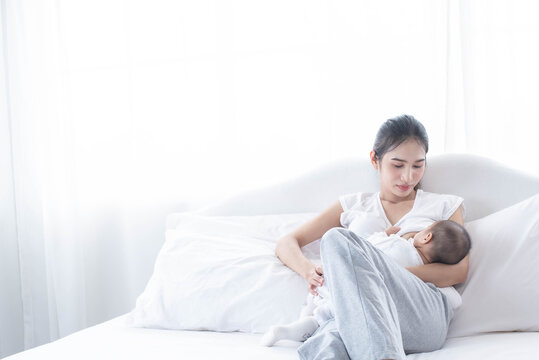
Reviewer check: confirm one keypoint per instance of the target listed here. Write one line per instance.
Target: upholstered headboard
(485, 185)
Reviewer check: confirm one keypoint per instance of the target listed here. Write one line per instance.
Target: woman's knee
(333, 239)
(340, 243)
(336, 231)
(339, 237)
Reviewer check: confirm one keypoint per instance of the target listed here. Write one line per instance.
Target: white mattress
(114, 339)
(492, 346)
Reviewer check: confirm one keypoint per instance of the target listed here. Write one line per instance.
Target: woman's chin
(403, 193)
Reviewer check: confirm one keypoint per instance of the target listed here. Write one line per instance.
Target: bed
(231, 287)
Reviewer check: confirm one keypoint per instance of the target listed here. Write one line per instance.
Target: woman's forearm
(442, 275)
(289, 252)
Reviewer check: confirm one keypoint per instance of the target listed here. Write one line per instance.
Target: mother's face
(401, 169)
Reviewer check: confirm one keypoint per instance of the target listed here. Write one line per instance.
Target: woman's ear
(374, 162)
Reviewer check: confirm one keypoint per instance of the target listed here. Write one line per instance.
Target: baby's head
(445, 241)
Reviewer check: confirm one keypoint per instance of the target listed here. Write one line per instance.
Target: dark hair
(397, 130)
(450, 242)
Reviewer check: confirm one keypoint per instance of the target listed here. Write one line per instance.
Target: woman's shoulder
(447, 203)
(438, 196)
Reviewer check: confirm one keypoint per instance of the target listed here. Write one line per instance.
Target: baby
(444, 241)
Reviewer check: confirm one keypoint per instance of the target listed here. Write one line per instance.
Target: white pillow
(502, 289)
(220, 273)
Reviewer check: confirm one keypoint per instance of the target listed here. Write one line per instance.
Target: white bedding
(492, 346)
(114, 339)
(473, 178)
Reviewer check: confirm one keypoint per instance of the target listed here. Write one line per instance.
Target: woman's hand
(392, 230)
(315, 278)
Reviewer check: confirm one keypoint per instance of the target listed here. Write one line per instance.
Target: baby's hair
(451, 242)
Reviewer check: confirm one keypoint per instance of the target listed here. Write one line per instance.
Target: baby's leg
(323, 312)
(308, 309)
(299, 330)
(323, 291)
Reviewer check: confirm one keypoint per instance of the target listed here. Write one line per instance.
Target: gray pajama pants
(381, 309)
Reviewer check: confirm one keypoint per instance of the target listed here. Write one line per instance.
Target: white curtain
(114, 113)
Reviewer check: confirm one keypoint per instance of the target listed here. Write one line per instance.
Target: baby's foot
(270, 337)
(299, 330)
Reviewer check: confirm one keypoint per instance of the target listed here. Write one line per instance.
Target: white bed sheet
(115, 339)
(491, 346)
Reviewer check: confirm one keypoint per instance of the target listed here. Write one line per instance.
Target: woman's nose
(406, 175)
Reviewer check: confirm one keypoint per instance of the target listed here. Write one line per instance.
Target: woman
(382, 311)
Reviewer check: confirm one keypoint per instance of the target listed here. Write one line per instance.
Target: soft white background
(114, 113)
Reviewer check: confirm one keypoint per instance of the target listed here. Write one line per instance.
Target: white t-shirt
(364, 215)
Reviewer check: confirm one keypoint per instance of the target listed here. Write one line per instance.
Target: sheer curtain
(492, 107)
(115, 113)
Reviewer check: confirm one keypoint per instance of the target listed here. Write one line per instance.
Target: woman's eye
(415, 166)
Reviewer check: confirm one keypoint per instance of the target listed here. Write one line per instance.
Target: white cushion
(502, 289)
(220, 273)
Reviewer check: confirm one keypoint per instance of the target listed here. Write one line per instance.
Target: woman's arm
(443, 275)
(288, 248)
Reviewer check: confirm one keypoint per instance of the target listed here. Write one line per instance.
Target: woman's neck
(392, 198)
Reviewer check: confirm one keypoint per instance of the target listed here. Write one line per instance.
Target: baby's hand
(392, 230)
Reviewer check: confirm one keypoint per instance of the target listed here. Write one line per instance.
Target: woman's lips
(404, 188)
